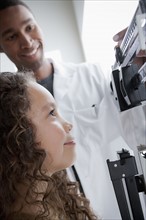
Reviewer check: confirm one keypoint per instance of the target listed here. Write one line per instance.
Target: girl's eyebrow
(48, 106)
(11, 30)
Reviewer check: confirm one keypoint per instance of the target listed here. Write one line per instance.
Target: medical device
(128, 84)
(128, 79)
(129, 184)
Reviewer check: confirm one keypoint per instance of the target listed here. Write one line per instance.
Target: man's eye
(11, 37)
(30, 27)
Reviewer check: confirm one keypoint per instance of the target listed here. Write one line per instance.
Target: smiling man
(21, 39)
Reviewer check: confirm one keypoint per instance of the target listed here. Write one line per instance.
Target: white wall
(101, 21)
(58, 22)
(79, 12)
(5, 64)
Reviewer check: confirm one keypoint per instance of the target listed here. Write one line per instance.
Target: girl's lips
(72, 142)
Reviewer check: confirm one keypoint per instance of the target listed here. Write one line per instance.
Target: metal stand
(127, 185)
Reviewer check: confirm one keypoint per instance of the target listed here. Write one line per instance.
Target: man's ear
(1, 50)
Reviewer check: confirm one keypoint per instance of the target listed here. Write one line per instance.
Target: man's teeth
(31, 53)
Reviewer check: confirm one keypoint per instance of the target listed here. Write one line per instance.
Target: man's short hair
(8, 3)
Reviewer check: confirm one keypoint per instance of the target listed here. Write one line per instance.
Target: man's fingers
(141, 53)
(120, 35)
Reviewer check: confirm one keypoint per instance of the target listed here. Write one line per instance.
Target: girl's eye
(52, 113)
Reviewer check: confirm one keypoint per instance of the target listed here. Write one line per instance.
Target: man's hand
(140, 57)
(119, 36)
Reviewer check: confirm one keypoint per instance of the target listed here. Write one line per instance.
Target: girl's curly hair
(21, 160)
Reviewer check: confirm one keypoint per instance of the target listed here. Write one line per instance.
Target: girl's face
(52, 131)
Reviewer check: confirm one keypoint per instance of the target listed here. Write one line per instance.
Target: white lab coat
(84, 98)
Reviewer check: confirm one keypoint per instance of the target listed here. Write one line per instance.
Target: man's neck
(44, 71)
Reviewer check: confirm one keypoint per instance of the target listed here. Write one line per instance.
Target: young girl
(35, 148)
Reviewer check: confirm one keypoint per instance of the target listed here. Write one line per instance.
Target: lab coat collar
(62, 79)
(61, 69)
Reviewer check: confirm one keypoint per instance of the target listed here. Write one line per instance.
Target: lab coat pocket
(88, 133)
(88, 129)
(87, 115)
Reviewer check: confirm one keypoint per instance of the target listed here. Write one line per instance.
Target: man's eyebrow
(10, 30)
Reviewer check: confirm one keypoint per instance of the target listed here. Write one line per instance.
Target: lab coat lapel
(62, 81)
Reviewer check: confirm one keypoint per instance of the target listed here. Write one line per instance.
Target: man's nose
(26, 41)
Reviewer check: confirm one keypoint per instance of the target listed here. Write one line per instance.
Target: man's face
(21, 38)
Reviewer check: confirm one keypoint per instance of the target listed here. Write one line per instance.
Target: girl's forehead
(41, 102)
(39, 96)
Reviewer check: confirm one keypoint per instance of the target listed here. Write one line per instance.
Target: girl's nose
(68, 127)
